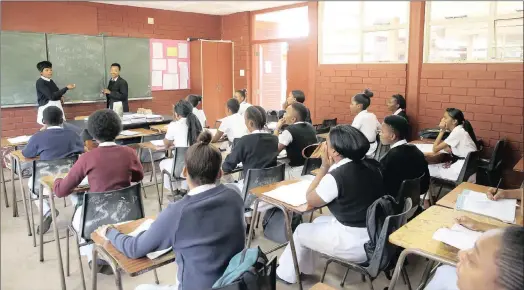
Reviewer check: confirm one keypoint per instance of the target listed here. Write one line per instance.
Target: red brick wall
(337, 84)
(91, 19)
(236, 27)
(490, 95)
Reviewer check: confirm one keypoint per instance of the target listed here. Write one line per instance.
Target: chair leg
(370, 283)
(320, 210)
(81, 267)
(325, 270)
(68, 272)
(258, 219)
(161, 196)
(345, 277)
(363, 277)
(406, 277)
(156, 277)
(143, 189)
(32, 218)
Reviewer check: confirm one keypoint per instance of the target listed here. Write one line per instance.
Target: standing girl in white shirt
(365, 121)
(195, 100)
(240, 96)
(182, 132)
(461, 141)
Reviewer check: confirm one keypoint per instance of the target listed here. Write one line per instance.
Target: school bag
(246, 270)
(274, 225)
(376, 215)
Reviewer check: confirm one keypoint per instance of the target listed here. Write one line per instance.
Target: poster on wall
(169, 64)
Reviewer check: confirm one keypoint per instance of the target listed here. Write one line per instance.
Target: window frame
(490, 20)
(361, 31)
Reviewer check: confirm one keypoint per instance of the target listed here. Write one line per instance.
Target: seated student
(348, 184)
(195, 100)
(461, 140)
(182, 132)
(53, 142)
(295, 137)
(397, 106)
(108, 167)
(240, 96)
(233, 125)
(495, 263)
(205, 228)
(293, 97)
(403, 161)
(365, 121)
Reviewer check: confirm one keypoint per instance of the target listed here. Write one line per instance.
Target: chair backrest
(329, 123)
(496, 156)
(144, 154)
(111, 207)
(308, 150)
(310, 165)
(272, 116)
(384, 251)
(410, 188)
(179, 160)
(259, 177)
(50, 168)
(470, 166)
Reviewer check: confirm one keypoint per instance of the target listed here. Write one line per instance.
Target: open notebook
(457, 236)
(478, 202)
(19, 139)
(158, 143)
(128, 133)
(293, 194)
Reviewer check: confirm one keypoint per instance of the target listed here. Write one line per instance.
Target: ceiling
(205, 7)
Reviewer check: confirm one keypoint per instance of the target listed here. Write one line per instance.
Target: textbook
(478, 202)
(457, 236)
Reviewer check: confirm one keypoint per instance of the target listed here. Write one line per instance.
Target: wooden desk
(6, 144)
(17, 158)
(141, 133)
(285, 208)
(81, 118)
(118, 261)
(450, 199)
(159, 128)
(416, 237)
(433, 158)
(519, 167)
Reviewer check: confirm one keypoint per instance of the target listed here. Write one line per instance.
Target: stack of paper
(478, 202)
(129, 133)
(457, 236)
(158, 143)
(292, 194)
(19, 139)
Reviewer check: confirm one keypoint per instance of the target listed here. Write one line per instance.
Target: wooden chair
(102, 208)
(381, 257)
(179, 155)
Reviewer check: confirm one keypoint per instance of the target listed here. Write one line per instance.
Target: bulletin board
(169, 64)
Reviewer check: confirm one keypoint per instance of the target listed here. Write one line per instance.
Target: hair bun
(245, 91)
(205, 137)
(368, 93)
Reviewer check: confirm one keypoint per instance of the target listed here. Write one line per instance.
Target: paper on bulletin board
(169, 64)
(267, 67)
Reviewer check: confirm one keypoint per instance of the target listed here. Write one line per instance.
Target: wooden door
(225, 75)
(210, 99)
(298, 68)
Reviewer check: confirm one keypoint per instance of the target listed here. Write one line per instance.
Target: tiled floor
(21, 269)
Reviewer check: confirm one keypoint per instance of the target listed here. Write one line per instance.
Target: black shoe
(46, 224)
(102, 269)
(248, 227)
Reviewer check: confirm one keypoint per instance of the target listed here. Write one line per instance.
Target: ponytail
(457, 115)
(467, 126)
(184, 109)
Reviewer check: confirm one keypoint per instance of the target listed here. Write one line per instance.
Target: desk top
(433, 158)
(49, 181)
(450, 199)
(82, 124)
(519, 166)
(159, 128)
(259, 192)
(418, 233)
(141, 132)
(133, 267)
(20, 157)
(6, 143)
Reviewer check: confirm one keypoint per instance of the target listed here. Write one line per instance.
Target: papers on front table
(128, 133)
(427, 148)
(158, 143)
(479, 203)
(292, 194)
(19, 139)
(457, 236)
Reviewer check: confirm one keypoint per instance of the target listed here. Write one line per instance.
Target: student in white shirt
(397, 105)
(461, 141)
(365, 121)
(195, 100)
(240, 96)
(182, 132)
(233, 125)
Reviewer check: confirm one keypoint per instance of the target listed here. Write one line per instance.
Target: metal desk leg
(251, 226)
(57, 240)
(289, 232)
(156, 178)
(94, 267)
(24, 198)
(156, 277)
(32, 218)
(41, 234)
(114, 266)
(13, 188)
(4, 189)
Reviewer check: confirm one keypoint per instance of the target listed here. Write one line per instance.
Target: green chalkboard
(133, 56)
(19, 54)
(78, 59)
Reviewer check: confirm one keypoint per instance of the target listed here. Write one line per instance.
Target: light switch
(150, 20)
(242, 73)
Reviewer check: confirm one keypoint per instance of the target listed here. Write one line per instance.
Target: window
(288, 23)
(363, 31)
(468, 31)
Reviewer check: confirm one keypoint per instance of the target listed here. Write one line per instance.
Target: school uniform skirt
(41, 109)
